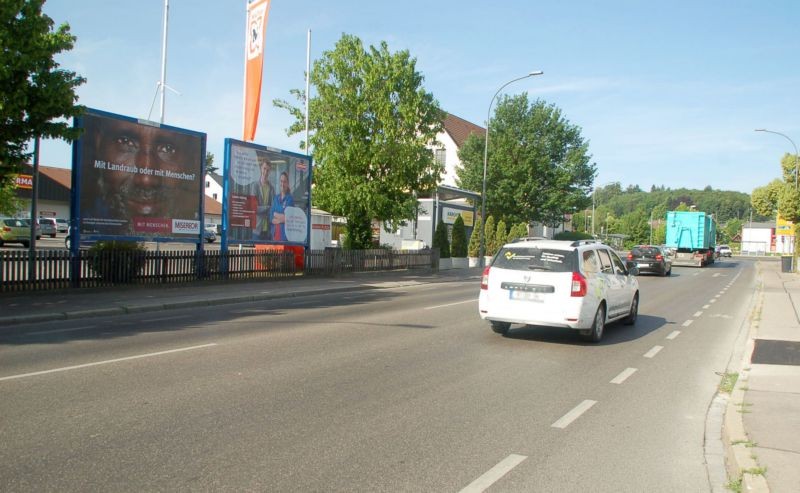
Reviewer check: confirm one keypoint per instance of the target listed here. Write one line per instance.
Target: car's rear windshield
(645, 251)
(532, 258)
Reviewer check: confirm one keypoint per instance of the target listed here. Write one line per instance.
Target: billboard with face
(138, 180)
(267, 195)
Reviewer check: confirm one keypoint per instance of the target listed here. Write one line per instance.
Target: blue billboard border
(77, 155)
(229, 143)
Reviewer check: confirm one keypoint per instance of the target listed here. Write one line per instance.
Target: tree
(37, 96)
(500, 237)
(488, 236)
(440, 240)
(210, 168)
(765, 199)
(538, 166)
(475, 238)
(458, 247)
(372, 125)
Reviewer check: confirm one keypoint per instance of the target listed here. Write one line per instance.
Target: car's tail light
(659, 257)
(630, 256)
(485, 278)
(579, 286)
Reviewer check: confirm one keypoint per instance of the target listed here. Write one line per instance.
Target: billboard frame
(226, 194)
(77, 176)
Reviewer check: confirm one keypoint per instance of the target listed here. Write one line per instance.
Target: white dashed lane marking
(624, 375)
(674, 334)
(687, 323)
(653, 352)
(491, 476)
(574, 414)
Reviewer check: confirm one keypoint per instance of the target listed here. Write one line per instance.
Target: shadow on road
(615, 333)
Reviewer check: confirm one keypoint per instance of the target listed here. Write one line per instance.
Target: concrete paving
(762, 419)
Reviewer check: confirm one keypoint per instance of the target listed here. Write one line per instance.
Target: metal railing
(56, 269)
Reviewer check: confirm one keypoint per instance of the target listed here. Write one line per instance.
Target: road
(397, 390)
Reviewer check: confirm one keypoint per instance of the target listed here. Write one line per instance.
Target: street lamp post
(482, 250)
(794, 249)
(793, 145)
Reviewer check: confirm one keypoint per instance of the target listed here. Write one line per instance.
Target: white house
(758, 238)
(456, 130)
(213, 186)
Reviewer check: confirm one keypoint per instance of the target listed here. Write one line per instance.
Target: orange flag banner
(257, 14)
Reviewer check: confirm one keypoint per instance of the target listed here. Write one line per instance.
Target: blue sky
(667, 93)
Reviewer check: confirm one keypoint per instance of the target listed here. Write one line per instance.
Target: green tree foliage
(36, 94)
(475, 238)
(459, 246)
(372, 123)
(440, 240)
(538, 166)
(488, 236)
(210, 168)
(765, 199)
(500, 237)
(731, 228)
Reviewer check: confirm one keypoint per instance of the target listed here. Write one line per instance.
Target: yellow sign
(783, 227)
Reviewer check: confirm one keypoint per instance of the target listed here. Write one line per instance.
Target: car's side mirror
(633, 270)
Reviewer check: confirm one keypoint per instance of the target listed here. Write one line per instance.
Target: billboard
(266, 195)
(138, 180)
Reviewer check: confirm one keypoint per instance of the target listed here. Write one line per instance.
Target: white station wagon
(580, 285)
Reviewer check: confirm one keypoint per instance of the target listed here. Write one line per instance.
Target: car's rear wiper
(538, 267)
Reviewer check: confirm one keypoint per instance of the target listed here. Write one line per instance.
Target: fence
(53, 268)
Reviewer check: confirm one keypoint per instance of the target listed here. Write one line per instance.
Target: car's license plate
(525, 296)
(642, 265)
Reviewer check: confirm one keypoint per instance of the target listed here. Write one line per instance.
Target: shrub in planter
(117, 261)
(440, 240)
(488, 236)
(475, 239)
(459, 246)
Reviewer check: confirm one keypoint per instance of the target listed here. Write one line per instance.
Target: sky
(666, 93)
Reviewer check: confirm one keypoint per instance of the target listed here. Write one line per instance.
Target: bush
(488, 236)
(459, 246)
(475, 238)
(117, 261)
(440, 240)
(500, 237)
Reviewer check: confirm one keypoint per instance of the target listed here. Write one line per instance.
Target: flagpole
(244, 74)
(308, 83)
(163, 82)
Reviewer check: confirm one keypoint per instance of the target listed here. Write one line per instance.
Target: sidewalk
(762, 419)
(64, 305)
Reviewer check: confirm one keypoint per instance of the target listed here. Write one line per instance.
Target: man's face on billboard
(152, 151)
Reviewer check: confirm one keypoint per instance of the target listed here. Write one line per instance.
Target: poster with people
(266, 196)
(138, 180)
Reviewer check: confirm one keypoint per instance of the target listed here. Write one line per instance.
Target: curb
(740, 461)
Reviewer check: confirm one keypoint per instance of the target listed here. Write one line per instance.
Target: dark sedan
(651, 259)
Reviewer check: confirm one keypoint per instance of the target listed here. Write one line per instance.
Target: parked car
(15, 230)
(48, 226)
(209, 235)
(651, 259)
(579, 285)
(63, 224)
(724, 251)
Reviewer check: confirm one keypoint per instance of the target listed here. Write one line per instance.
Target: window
(590, 263)
(605, 261)
(208, 184)
(440, 156)
(214, 196)
(619, 267)
(536, 259)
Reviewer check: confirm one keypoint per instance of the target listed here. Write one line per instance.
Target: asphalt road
(397, 390)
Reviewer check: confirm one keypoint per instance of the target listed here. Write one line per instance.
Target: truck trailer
(693, 235)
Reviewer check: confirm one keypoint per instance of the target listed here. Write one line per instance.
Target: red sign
(321, 226)
(152, 225)
(25, 181)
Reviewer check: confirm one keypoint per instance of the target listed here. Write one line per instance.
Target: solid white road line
(450, 304)
(673, 334)
(687, 323)
(653, 352)
(494, 474)
(624, 375)
(697, 314)
(56, 331)
(574, 414)
(117, 360)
